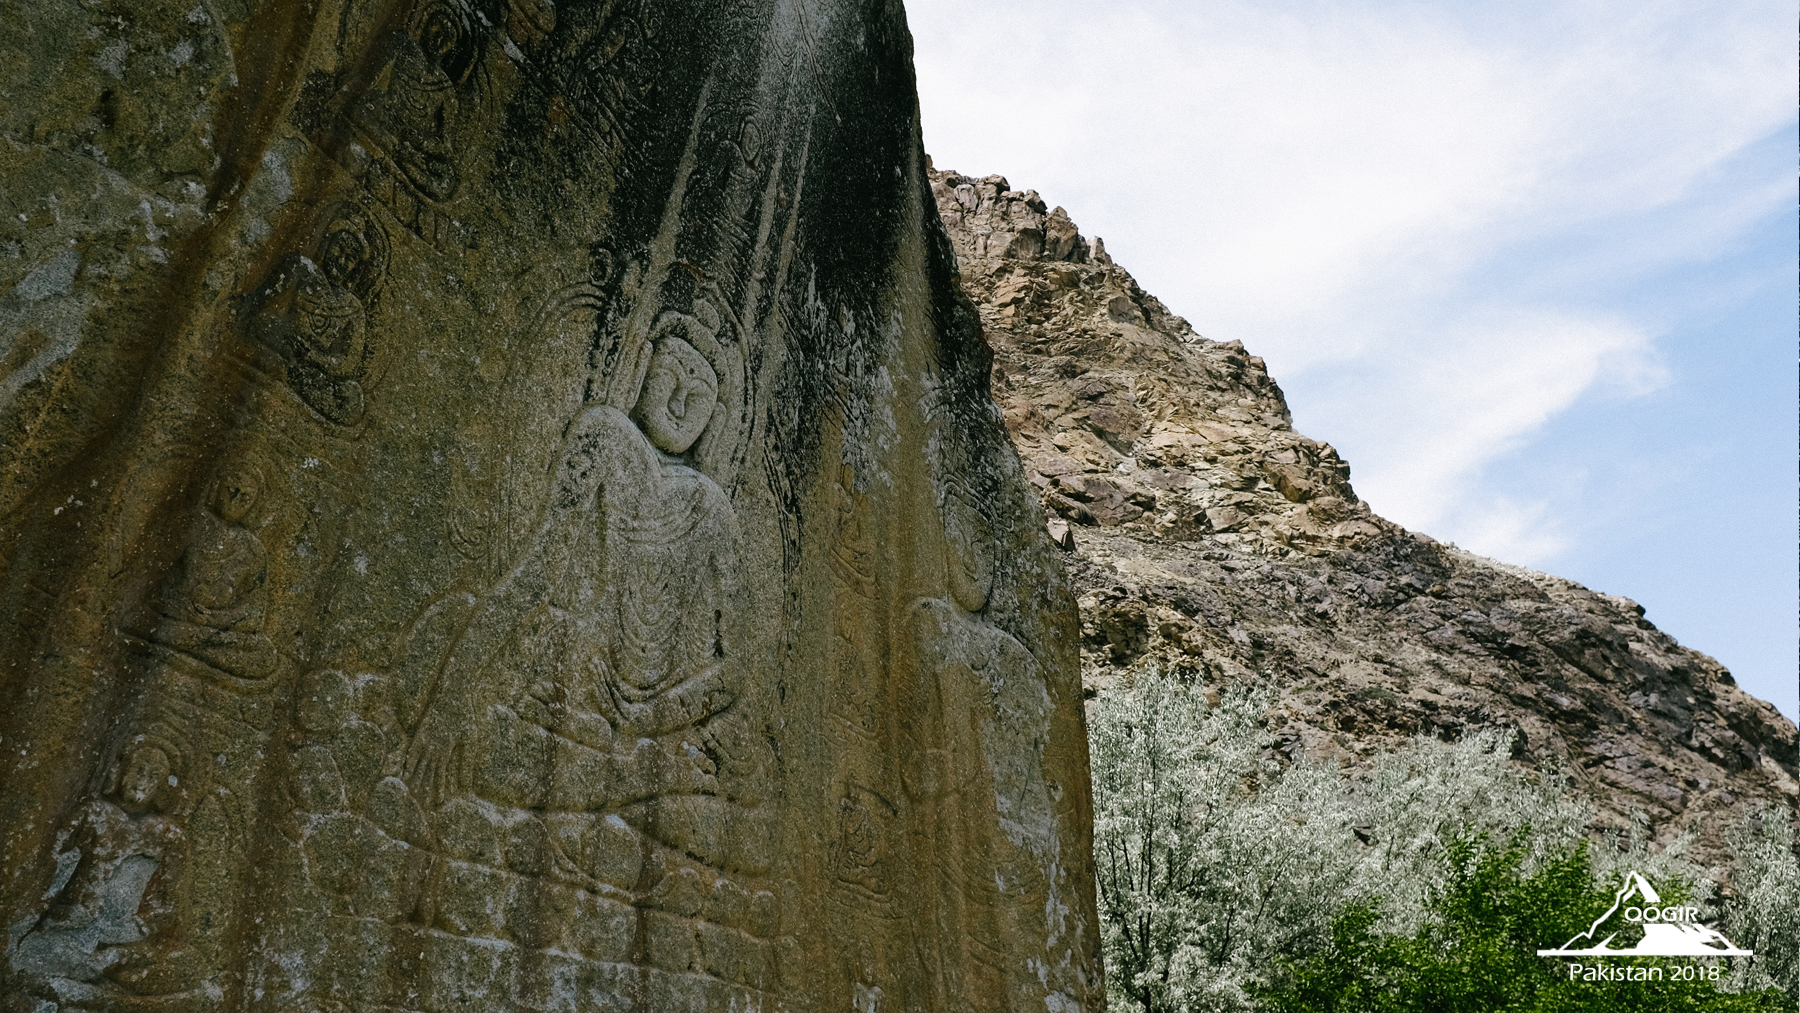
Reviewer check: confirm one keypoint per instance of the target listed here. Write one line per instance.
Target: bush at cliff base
(1480, 953)
(1231, 883)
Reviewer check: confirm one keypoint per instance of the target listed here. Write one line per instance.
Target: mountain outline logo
(1668, 931)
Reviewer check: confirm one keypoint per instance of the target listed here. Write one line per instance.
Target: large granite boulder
(501, 510)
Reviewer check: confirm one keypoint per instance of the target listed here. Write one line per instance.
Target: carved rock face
(500, 508)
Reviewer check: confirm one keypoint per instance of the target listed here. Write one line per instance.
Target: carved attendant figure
(415, 97)
(334, 338)
(110, 918)
(213, 606)
(985, 690)
(314, 314)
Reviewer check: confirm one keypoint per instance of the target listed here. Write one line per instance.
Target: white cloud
(1433, 199)
(1505, 528)
(1480, 389)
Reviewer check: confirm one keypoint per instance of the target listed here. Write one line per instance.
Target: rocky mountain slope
(1206, 536)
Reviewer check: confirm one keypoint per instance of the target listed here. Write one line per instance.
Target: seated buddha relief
(599, 713)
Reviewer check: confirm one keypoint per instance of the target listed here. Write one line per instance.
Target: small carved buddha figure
(414, 98)
(213, 605)
(314, 313)
(333, 337)
(111, 916)
(150, 961)
(329, 339)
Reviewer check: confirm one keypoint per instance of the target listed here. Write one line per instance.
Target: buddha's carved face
(343, 256)
(679, 394)
(323, 703)
(236, 493)
(146, 772)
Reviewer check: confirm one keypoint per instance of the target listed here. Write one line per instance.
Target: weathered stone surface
(501, 510)
(1208, 537)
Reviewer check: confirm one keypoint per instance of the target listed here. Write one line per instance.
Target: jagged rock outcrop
(1206, 536)
(500, 509)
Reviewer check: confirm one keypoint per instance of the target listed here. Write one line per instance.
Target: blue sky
(1530, 267)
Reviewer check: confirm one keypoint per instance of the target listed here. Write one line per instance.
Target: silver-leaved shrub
(1216, 863)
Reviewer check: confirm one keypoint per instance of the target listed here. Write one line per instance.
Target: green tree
(1476, 953)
